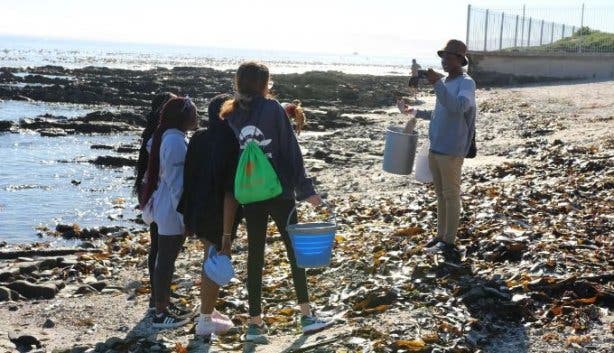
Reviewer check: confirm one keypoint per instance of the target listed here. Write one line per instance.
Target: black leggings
(161, 262)
(151, 260)
(257, 217)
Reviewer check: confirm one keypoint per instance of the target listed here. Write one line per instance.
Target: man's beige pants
(446, 172)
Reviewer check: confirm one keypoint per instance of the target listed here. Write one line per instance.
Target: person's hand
(433, 76)
(404, 108)
(314, 200)
(226, 245)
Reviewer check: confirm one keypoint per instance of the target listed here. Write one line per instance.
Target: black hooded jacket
(209, 172)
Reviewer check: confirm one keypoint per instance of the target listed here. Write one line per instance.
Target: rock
(20, 97)
(48, 264)
(101, 347)
(48, 324)
(24, 342)
(54, 132)
(85, 289)
(79, 349)
(112, 161)
(99, 286)
(6, 125)
(127, 149)
(53, 125)
(87, 245)
(34, 291)
(114, 342)
(68, 231)
(6, 294)
(101, 147)
(27, 267)
(10, 274)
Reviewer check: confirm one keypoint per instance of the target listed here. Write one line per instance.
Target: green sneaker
(311, 324)
(256, 334)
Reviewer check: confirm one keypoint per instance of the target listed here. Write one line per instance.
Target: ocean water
(24, 52)
(45, 181)
(48, 180)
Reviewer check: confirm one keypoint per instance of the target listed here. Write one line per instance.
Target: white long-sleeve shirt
(170, 183)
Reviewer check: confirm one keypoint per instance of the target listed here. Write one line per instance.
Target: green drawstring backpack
(255, 180)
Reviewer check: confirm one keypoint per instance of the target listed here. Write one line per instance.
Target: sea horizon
(30, 51)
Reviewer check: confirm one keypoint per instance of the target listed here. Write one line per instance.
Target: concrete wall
(514, 67)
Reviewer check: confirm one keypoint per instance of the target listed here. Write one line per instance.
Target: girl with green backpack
(270, 177)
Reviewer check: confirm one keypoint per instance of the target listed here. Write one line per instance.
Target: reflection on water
(47, 180)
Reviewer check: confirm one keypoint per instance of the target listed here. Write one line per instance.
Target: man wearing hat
(451, 130)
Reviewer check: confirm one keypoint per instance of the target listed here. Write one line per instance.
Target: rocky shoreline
(536, 273)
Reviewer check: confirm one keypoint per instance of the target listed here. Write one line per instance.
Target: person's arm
(230, 210)
(291, 155)
(419, 114)
(424, 114)
(174, 153)
(460, 103)
(231, 159)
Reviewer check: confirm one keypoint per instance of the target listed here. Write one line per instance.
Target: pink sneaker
(222, 322)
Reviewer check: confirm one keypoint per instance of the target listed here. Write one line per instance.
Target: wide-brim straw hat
(456, 47)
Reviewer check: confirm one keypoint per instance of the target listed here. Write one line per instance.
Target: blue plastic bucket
(312, 242)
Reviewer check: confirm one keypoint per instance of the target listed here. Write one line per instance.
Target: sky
(374, 27)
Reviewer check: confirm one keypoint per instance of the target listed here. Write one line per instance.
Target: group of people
(188, 189)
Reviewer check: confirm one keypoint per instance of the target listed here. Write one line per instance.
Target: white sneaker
(205, 326)
(222, 322)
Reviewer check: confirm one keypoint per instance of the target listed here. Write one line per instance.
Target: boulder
(6, 126)
(34, 291)
(113, 161)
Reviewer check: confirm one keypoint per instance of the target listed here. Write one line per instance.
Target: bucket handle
(332, 217)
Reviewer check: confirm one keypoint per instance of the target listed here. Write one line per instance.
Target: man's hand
(433, 76)
(226, 245)
(404, 108)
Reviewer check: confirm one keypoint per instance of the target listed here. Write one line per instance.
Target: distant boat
(355, 53)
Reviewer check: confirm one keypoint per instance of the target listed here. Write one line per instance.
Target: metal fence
(523, 30)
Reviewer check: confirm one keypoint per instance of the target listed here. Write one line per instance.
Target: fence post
(501, 32)
(468, 24)
(486, 31)
(516, 33)
(552, 33)
(522, 31)
(581, 28)
(529, 33)
(541, 34)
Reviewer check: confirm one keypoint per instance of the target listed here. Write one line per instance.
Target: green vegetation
(590, 40)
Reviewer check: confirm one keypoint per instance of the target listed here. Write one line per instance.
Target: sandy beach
(536, 233)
